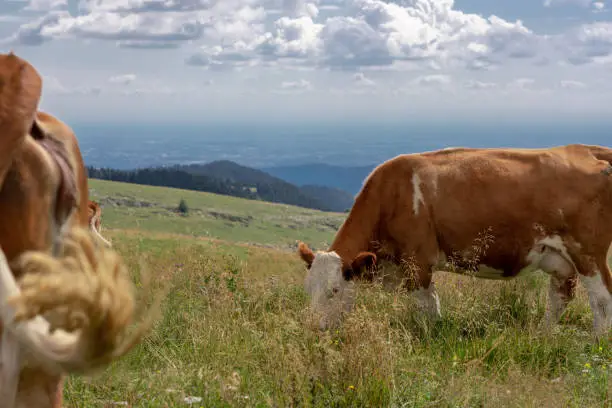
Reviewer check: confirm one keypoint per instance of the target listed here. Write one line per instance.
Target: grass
(153, 209)
(235, 329)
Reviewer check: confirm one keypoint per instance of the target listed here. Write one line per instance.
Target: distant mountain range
(348, 179)
(229, 178)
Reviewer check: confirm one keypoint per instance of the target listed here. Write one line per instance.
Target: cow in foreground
(95, 221)
(66, 302)
(495, 213)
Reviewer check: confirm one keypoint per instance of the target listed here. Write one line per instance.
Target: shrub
(182, 207)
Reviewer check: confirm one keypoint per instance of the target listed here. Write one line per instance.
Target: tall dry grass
(236, 332)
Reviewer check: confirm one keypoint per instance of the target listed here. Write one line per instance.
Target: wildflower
(587, 365)
(351, 387)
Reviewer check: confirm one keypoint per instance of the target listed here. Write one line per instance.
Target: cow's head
(329, 282)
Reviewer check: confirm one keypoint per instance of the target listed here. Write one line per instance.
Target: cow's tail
(74, 311)
(20, 92)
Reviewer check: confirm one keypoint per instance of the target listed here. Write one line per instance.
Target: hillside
(148, 208)
(348, 179)
(272, 188)
(342, 200)
(229, 178)
(235, 329)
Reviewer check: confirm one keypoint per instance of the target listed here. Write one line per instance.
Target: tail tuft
(85, 288)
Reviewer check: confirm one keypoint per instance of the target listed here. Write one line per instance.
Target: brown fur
(95, 215)
(43, 189)
(484, 206)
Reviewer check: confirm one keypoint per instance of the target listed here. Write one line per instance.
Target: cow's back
(508, 196)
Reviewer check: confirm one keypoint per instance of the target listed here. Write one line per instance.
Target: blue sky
(197, 60)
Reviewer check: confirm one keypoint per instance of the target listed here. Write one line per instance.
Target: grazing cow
(493, 212)
(95, 221)
(66, 302)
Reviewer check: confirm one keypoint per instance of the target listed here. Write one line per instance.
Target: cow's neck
(359, 229)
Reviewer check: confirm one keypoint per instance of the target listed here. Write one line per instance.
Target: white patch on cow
(556, 242)
(330, 294)
(428, 301)
(561, 213)
(549, 253)
(600, 300)
(434, 184)
(417, 194)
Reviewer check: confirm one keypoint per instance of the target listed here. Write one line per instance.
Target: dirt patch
(127, 201)
(241, 219)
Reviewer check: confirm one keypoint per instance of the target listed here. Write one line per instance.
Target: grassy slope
(215, 216)
(235, 329)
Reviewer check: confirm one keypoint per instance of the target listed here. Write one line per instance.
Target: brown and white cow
(95, 221)
(494, 212)
(65, 301)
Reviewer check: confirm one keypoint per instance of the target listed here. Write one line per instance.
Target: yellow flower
(587, 365)
(351, 387)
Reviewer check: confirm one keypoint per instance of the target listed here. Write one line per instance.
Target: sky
(240, 60)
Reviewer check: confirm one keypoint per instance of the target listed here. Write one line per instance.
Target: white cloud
(364, 33)
(588, 42)
(46, 5)
(151, 90)
(435, 80)
(124, 79)
(479, 85)
(582, 3)
(301, 84)
(521, 83)
(361, 80)
(142, 23)
(54, 86)
(377, 33)
(598, 6)
(571, 84)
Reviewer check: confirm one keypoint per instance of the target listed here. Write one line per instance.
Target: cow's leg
(428, 300)
(59, 393)
(560, 292)
(599, 288)
(419, 282)
(39, 389)
(562, 287)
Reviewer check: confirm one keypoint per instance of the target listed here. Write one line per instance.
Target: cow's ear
(306, 254)
(363, 260)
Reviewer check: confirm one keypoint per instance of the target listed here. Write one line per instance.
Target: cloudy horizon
(197, 60)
